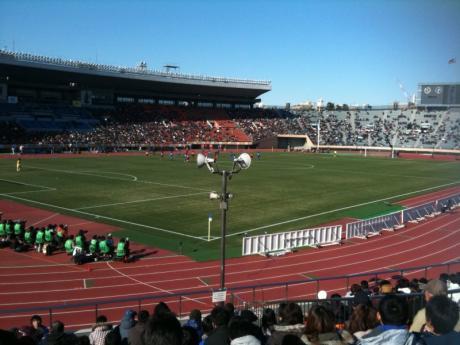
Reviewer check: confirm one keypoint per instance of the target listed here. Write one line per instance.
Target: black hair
(268, 318)
(36, 317)
(230, 308)
(101, 319)
(112, 338)
(143, 316)
(292, 314)
(195, 314)
(160, 309)
(394, 310)
(239, 327)
(190, 336)
(442, 313)
(57, 327)
(207, 324)
(220, 316)
(164, 330)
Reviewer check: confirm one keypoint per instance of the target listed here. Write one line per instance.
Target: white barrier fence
(285, 241)
(373, 226)
(396, 220)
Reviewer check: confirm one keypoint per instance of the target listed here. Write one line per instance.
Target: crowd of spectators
(365, 320)
(159, 125)
(16, 235)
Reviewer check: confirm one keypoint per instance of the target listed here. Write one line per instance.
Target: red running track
(31, 280)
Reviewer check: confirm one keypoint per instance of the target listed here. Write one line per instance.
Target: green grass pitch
(165, 203)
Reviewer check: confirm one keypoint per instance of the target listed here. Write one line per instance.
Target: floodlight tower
(240, 163)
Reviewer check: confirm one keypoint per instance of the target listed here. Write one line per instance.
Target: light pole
(242, 162)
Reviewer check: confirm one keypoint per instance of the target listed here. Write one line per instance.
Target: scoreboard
(439, 94)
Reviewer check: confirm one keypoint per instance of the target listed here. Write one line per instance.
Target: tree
(330, 106)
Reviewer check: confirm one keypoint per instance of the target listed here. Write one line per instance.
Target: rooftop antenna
(142, 65)
(171, 68)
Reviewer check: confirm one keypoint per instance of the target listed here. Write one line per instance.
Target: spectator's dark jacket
(279, 331)
(451, 338)
(61, 339)
(136, 334)
(219, 336)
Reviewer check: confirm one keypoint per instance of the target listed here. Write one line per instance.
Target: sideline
(103, 217)
(338, 209)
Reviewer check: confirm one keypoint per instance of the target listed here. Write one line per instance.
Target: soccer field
(166, 203)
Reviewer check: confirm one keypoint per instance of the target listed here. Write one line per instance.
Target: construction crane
(409, 98)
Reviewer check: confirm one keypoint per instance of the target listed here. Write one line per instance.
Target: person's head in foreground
(441, 315)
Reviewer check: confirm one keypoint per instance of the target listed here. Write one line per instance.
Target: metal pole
(317, 136)
(223, 208)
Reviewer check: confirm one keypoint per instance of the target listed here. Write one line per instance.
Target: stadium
(130, 189)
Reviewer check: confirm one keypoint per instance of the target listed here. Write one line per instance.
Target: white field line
(303, 255)
(119, 179)
(29, 185)
(142, 200)
(133, 177)
(103, 217)
(271, 277)
(372, 250)
(32, 191)
(338, 209)
(147, 284)
(291, 166)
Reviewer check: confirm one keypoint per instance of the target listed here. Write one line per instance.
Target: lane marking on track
(103, 217)
(245, 292)
(286, 258)
(338, 209)
(74, 172)
(45, 219)
(297, 264)
(48, 261)
(94, 266)
(202, 281)
(147, 284)
(141, 200)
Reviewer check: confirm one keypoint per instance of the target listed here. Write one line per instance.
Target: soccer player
(258, 155)
(18, 165)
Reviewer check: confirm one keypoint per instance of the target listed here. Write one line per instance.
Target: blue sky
(344, 51)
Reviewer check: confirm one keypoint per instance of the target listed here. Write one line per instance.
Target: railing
(181, 303)
(373, 226)
(286, 241)
(117, 69)
(416, 301)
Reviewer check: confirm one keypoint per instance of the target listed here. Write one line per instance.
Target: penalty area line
(102, 217)
(117, 178)
(142, 200)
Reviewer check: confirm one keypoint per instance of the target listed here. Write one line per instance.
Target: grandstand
(54, 105)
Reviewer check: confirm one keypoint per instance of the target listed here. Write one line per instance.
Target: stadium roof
(35, 67)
